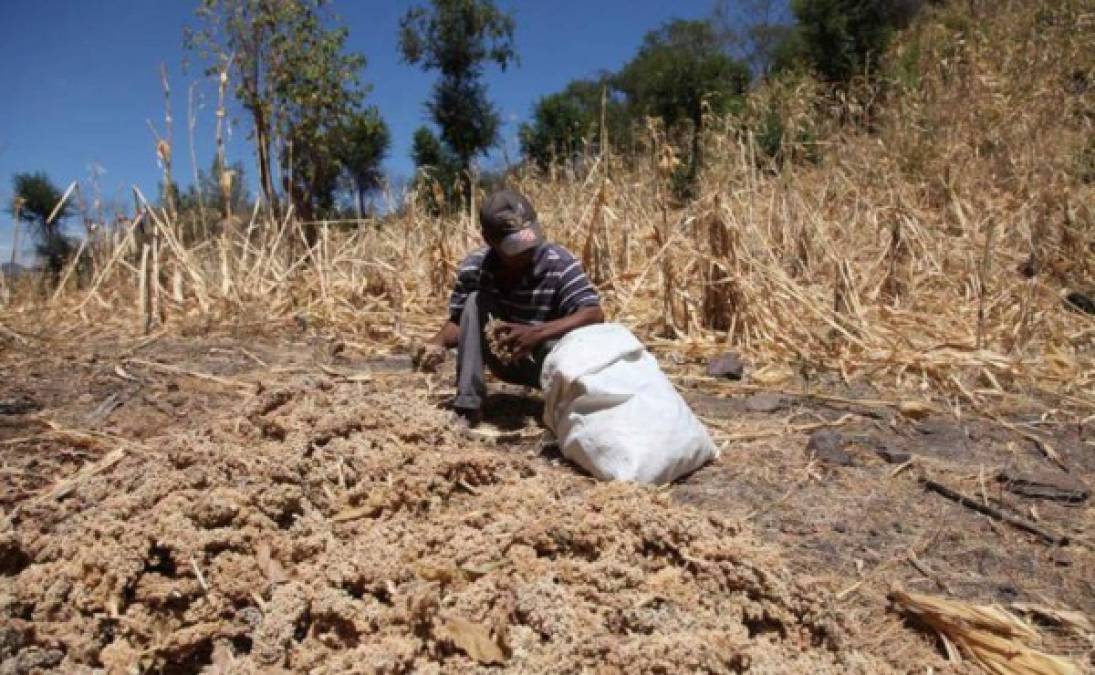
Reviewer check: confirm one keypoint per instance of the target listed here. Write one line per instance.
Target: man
(537, 290)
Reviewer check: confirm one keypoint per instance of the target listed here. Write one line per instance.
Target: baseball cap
(509, 222)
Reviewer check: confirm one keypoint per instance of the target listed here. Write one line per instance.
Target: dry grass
(894, 260)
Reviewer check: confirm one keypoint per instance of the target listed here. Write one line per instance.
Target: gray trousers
(474, 352)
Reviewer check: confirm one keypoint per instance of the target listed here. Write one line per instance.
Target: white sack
(615, 413)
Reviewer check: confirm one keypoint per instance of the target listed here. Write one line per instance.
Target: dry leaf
(271, 568)
(476, 571)
(915, 410)
(444, 575)
(772, 374)
(1068, 618)
(357, 512)
(474, 640)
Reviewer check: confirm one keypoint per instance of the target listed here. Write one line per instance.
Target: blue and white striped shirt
(554, 286)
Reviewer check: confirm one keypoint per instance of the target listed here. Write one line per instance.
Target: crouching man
(536, 292)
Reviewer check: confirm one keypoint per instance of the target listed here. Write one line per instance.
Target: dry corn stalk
(897, 258)
(722, 297)
(994, 638)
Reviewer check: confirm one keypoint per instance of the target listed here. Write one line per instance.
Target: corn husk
(992, 637)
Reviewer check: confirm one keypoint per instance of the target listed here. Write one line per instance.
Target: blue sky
(81, 81)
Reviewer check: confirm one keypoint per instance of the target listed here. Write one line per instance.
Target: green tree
(840, 39)
(679, 71)
(563, 123)
(293, 78)
(363, 143)
(436, 167)
(35, 198)
(242, 33)
(755, 32)
(319, 92)
(236, 200)
(456, 38)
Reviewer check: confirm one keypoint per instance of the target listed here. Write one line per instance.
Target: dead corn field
(214, 456)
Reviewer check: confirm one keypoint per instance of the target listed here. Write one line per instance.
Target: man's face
(516, 263)
(512, 264)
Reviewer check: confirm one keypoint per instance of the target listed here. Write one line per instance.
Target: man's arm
(431, 354)
(448, 337)
(523, 339)
(428, 356)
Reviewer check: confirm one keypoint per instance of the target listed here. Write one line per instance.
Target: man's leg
(470, 387)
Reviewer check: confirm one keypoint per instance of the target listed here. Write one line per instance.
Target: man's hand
(427, 356)
(520, 338)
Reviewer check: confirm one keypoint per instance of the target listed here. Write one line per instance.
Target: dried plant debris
(229, 547)
(496, 343)
(992, 637)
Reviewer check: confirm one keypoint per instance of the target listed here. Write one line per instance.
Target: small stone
(1061, 558)
(1029, 267)
(827, 446)
(892, 456)
(728, 365)
(764, 402)
(20, 405)
(1080, 302)
(1045, 485)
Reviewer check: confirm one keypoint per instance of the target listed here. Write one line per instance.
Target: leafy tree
(558, 129)
(36, 197)
(456, 38)
(242, 33)
(842, 38)
(319, 92)
(237, 200)
(436, 167)
(679, 71)
(754, 31)
(292, 76)
(363, 142)
(563, 122)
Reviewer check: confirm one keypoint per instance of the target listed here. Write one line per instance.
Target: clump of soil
(332, 527)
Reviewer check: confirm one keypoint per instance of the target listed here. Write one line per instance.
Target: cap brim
(521, 241)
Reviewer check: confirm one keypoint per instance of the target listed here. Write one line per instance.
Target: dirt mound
(331, 526)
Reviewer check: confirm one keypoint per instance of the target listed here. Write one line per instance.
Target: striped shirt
(553, 287)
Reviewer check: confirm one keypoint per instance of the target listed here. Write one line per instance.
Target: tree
(436, 168)
(36, 198)
(754, 31)
(456, 38)
(319, 92)
(843, 38)
(240, 34)
(562, 123)
(295, 81)
(363, 143)
(236, 200)
(679, 71)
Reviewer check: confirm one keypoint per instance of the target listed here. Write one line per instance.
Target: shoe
(468, 418)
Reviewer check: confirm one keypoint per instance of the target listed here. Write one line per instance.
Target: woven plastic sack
(615, 413)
